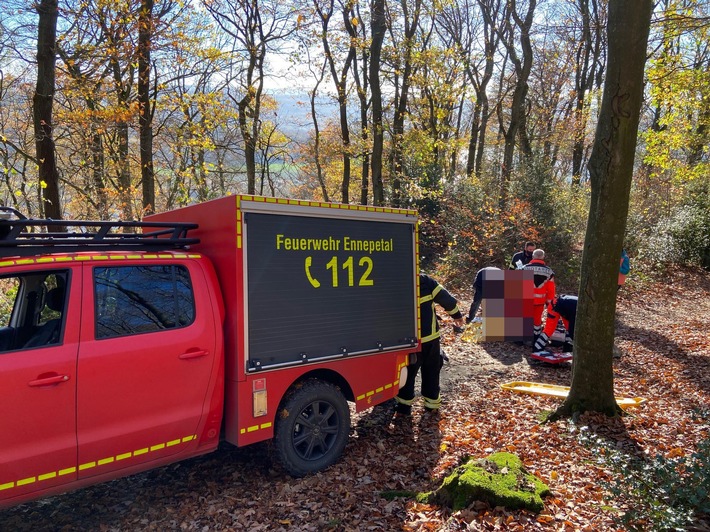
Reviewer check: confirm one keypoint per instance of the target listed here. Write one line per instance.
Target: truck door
(39, 340)
(147, 353)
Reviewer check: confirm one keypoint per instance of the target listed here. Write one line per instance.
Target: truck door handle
(49, 381)
(194, 354)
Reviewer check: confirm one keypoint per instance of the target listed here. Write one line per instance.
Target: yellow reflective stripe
(426, 298)
(85, 258)
(254, 428)
(431, 337)
(308, 203)
(103, 461)
(454, 311)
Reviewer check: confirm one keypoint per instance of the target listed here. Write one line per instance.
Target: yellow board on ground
(553, 390)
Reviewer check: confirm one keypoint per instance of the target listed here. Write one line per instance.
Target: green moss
(499, 480)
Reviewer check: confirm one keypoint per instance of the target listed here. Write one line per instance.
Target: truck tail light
(259, 397)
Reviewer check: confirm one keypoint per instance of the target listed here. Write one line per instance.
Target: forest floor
(662, 333)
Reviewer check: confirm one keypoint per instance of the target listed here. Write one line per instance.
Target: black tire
(312, 427)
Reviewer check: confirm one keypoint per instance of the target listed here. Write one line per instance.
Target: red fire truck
(126, 346)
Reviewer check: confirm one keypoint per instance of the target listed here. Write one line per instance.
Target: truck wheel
(312, 428)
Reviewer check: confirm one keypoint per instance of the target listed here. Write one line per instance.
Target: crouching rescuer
(430, 359)
(564, 308)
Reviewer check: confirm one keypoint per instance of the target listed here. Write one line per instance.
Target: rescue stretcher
(553, 390)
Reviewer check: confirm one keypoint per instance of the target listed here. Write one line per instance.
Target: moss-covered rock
(500, 480)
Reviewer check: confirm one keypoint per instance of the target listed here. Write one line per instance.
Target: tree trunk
(402, 104)
(588, 64)
(518, 125)
(611, 169)
(378, 36)
(145, 31)
(43, 101)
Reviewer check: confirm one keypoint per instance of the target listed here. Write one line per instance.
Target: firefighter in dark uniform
(430, 358)
(521, 258)
(564, 308)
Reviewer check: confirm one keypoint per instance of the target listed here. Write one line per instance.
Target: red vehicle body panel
(148, 392)
(38, 420)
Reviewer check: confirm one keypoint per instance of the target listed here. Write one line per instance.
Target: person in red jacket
(544, 291)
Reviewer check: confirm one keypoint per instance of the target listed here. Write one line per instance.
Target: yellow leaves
(676, 452)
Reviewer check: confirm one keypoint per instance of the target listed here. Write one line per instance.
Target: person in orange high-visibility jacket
(544, 291)
(430, 358)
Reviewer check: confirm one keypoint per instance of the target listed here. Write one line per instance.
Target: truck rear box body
(309, 289)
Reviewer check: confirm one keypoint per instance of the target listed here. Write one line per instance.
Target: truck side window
(140, 299)
(32, 309)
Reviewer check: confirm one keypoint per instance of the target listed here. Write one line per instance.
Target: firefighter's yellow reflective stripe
(426, 298)
(254, 428)
(432, 336)
(84, 258)
(98, 463)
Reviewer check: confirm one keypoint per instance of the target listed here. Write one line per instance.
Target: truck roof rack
(22, 236)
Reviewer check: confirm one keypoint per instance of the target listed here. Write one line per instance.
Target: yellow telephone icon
(314, 282)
